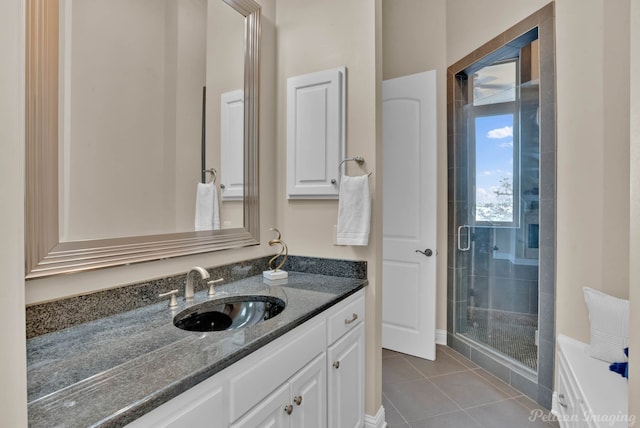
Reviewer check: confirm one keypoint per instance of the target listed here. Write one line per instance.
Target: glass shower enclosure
(496, 204)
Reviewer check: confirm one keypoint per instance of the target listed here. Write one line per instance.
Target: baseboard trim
(441, 337)
(377, 421)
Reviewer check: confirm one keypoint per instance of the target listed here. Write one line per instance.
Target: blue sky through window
(494, 168)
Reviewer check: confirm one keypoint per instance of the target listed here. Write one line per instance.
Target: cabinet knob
(336, 364)
(288, 409)
(297, 399)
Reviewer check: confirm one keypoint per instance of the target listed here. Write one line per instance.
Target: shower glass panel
(496, 206)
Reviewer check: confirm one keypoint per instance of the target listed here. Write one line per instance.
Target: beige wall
(593, 147)
(314, 36)
(634, 289)
(470, 24)
(13, 396)
(227, 27)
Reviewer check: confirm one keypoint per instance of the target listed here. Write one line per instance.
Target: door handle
(428, 252)
(460, 247)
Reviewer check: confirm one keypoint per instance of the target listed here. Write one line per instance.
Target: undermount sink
(229, 313)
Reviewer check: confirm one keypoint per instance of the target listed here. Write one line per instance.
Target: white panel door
(409, 215)
(315, 133)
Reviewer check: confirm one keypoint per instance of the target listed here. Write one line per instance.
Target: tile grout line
(436, 386)
(487, 377)
(474, 372)
(396, 409)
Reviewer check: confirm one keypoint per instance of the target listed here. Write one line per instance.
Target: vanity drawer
(271, 366)
(346, 318)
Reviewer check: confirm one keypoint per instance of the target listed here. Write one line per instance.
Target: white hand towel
(207, 210)
(354, 211)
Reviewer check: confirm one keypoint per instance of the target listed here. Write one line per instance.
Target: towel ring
(213, 172)
(357, 159)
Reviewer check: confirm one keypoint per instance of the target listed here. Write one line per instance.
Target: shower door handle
(460, 247)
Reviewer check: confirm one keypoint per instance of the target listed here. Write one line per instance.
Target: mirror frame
(45, 255)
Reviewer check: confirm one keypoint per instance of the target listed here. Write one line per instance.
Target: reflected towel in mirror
(207, 210)
(354, 211)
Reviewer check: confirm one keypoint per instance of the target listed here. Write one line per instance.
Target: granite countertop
(113, 370)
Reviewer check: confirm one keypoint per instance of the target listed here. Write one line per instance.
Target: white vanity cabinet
(345, 357)
(312, 377)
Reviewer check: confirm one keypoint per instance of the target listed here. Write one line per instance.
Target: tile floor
(452, 392)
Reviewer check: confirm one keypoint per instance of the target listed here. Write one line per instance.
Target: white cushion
(609, 317)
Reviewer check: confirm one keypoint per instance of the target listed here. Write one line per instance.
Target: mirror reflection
(137, 126)
(114, 129)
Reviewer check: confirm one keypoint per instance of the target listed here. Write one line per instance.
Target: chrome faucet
(188, 288)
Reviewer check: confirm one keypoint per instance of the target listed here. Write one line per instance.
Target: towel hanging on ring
(354, 211)
(207, 210)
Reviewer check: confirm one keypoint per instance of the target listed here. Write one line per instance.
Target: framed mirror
(63, 236)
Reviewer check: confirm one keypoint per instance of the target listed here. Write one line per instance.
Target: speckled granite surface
(110, 371)
(53, 316)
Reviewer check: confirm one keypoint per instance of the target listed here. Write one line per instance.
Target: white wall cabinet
(315, 133)
(312, 377)
(232, 145)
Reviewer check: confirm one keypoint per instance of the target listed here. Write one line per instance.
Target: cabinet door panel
(270, 413)
(309, 395)
(315, 133)
(346, 380)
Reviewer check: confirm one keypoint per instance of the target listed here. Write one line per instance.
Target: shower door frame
(538, 386)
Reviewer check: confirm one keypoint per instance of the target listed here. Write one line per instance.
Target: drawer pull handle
(353, 318)
(298, 400)
(288, 409)
(336, 364)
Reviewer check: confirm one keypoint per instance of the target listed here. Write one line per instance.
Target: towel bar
(357, 159)
(213, 172)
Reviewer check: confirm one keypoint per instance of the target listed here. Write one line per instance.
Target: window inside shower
(496, 203)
